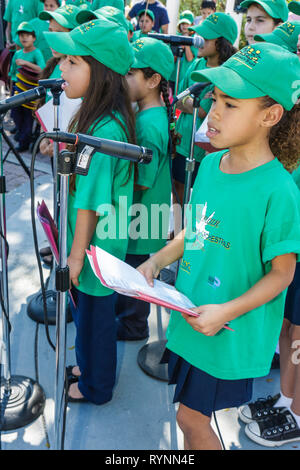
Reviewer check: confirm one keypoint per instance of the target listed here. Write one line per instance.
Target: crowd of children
(239, 252)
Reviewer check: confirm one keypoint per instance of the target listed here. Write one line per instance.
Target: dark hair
(32, 33)
(209, 4)
(107, 94)
(284, 138)
(225, 49)
(164, 91)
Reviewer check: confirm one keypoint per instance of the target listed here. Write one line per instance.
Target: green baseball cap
(246, 74)
(294, 7)
(217, 25)
(58, 1)
(65, 16)
(285, 35)
(274, 8)
(188, 15)
(149, 13)
(149, 52)
(111, 13)
(25, 27)
(102, 39)
(111, 3)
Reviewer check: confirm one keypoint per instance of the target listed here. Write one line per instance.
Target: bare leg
(295, 406)
(198, 433)
(287, 367)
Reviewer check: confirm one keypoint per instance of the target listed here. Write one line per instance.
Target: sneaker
(274, 431)
(259, 409)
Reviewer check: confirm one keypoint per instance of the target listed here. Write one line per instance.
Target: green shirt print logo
(196, 232)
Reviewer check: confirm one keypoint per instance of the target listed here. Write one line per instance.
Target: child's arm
(85, 227)
(167, 255)
(214, 316)
(187, 107)
(30, 65)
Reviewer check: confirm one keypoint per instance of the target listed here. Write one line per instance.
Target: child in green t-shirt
(263, 16)
(219, 32)
(148, 81)
(240, 245)
(26, 65)
(146, 20)
(98, 56)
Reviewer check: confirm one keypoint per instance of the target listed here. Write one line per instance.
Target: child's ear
(272, 115)
(155, 80)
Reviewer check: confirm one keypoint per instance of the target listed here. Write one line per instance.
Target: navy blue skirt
(292, 301)
(202, 392)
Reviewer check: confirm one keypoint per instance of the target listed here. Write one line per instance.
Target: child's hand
(46, 147)
(21, 62)
(150, 270)
(210, 321)
(75, 267)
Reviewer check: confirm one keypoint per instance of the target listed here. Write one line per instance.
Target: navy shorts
(178, 169)
(202, 392)
(292, 301)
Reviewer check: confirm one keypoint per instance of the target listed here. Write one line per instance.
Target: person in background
(207, 8)
(16, 12)
(263, 16)
(30, 60)
(96, 4)
(160, 12)
(146, 20)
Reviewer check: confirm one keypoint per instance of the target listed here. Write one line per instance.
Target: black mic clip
(55, 87)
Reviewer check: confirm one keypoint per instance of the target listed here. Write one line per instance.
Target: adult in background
(160, 12)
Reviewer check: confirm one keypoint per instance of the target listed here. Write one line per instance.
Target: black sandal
(70, 376)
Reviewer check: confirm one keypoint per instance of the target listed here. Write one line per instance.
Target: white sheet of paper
(121, 275)
(201, 132)
(67, 110)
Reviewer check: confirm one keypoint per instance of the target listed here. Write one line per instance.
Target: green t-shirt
(184, 124)
(107, 190)
(296, 176)
(18, 11)
(151, 224)
(35, 57)
(39, 27)
(255, 217)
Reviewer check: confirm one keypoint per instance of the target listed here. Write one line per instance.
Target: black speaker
(237, 7)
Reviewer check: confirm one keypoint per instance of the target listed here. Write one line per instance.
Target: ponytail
(164, 91)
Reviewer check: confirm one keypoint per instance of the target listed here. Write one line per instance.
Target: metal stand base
(149, 357)
(35, 308)
(23, 405)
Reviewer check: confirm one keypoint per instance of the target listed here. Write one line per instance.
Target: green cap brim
(228, 81)
(184, 20)
(60, 19)
(64, 44)
(274, 39)
(294, 7)
(204, 31)
(85, 15)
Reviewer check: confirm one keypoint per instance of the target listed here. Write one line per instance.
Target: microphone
(21, 98)
(52, 83)
(196, 41)
(193, 90)
(87, 145)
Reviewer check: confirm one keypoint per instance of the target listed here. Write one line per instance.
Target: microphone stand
(22, 400)
(35, 309)
(150, 354)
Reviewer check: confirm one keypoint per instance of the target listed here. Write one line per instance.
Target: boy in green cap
(40, 27)
(189, 52)
(148, 81)
(97, 58)
(146, 20)
(263, 16)
(237, 273)
(31, 58)
(220, 32)
(285, 35)
(16, 12)
(294, 7)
